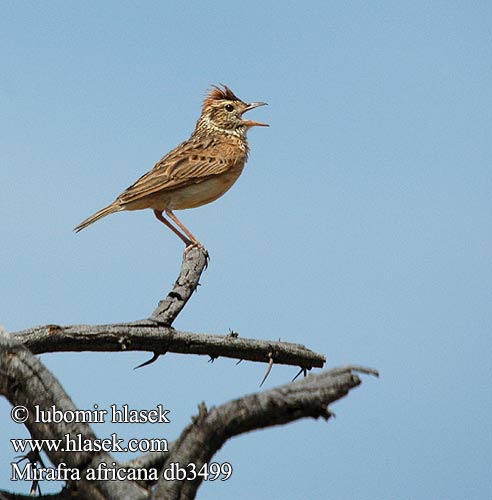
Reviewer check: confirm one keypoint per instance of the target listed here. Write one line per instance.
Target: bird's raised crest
(216, 94)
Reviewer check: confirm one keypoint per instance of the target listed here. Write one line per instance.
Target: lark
(198, 171)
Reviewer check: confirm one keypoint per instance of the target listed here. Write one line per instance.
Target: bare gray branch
(147, 336)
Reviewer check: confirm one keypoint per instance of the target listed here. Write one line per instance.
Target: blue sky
(360, 226)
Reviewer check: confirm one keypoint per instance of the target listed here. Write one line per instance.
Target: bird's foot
(197, 245)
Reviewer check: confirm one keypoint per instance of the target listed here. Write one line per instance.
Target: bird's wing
(189, 163)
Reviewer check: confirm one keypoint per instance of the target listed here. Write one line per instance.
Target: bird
(196, 172)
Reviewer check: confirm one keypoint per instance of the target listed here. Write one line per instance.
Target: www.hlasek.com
(80, 443)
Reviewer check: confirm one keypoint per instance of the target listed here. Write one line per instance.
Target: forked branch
(157, 335)
(24, 380)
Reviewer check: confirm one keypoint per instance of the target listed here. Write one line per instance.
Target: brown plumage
(196, 172)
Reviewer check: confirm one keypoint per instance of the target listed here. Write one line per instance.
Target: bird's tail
(110, 209)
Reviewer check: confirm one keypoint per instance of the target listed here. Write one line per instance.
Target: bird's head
(223, 112)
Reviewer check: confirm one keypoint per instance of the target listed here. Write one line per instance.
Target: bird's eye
(229, 107)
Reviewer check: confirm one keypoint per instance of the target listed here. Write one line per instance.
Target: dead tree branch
(210, 429)
(194, 263)
(156, 334)
(25, 381)
(147, 336)
(198, 443)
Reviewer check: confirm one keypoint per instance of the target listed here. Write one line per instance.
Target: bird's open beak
(251, 123)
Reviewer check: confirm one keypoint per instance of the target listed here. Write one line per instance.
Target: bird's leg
(186, 241)
(193, 240)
